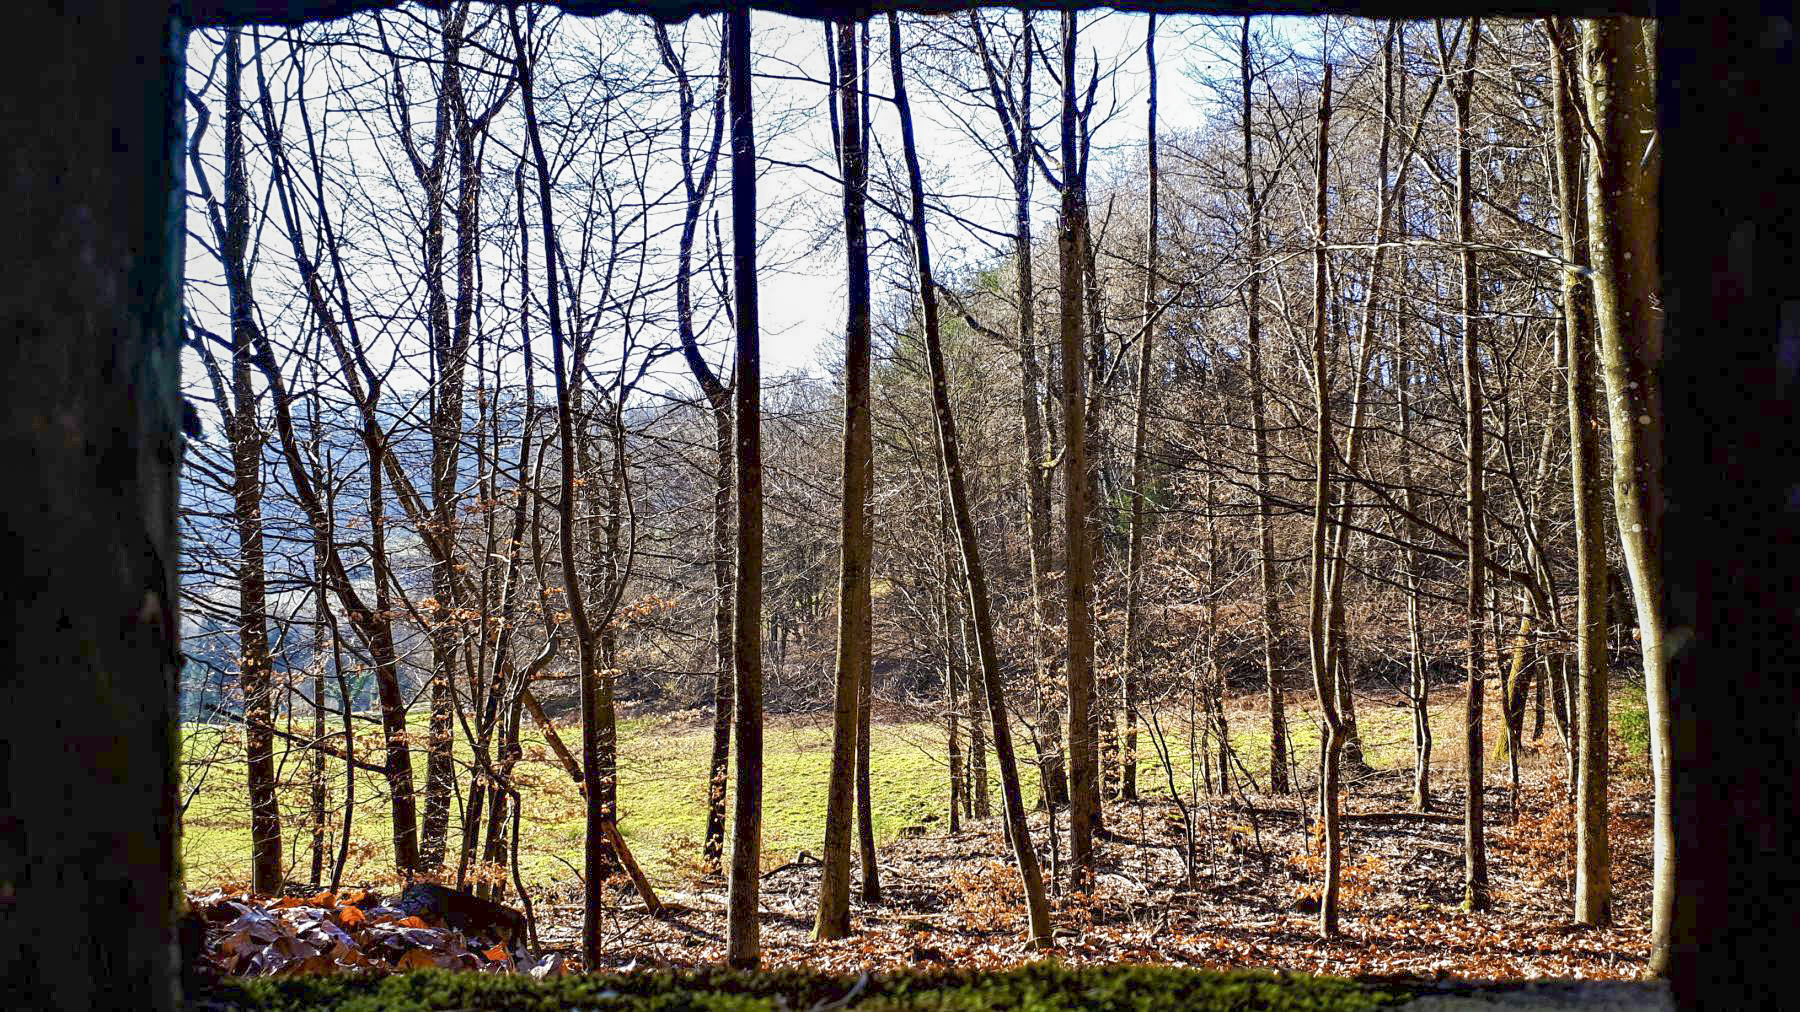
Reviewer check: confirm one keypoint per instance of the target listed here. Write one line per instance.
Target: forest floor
(953, 900)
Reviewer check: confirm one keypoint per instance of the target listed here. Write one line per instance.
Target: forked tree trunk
(1475, 875)
(718, 398)
(1331, 737)
(854, 629)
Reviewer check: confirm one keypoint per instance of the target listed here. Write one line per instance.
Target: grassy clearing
(662, 776)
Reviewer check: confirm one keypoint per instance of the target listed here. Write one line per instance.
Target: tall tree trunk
(1265, 532)
(90, 842)
(975, 579)
(1084, 761)
(1475, 874)
(254, 663)
(596, 853)
(373, 625)
(1623, 169)
(854, 631)
(1593, 854)
(450, 348)
(743, 948)
(1331, 738)
(1140, 450)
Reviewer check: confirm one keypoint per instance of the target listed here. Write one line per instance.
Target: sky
(801, 271)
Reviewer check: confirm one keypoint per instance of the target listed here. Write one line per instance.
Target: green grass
(1629, 716)
(1040, 987)
(663, 768)
(662, 775)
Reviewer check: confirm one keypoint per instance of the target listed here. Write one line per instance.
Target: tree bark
(1475, 874)
(1593, 856)
(743, 948)
(1623, 169)
(1331, 738)
(1084, 761)
(89, 840)
(975, 579)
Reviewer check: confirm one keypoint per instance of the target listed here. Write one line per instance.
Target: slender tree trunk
(865, 801)
(1037, 453)
(1331, 738)
(854, 630)
(1084, 764)
(254, 663)
(1622, 195)
(449, 352)
(1475, 874)
(718, 398)
(1593, 855)
(978, 743)
(1140, 451)
(1265, 533)
(951, 675)
(975, 579)
(1419, 680)
(743, 947)
(373, 625)
(596, 860)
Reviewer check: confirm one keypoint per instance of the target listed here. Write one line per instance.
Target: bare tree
(1475, 873)
(854, 629)
(1331, 736)
(742, 945)
(975, 579)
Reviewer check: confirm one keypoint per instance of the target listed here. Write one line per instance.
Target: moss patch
(1041, 987)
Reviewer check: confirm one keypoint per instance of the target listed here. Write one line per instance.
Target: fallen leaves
(262, 936)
